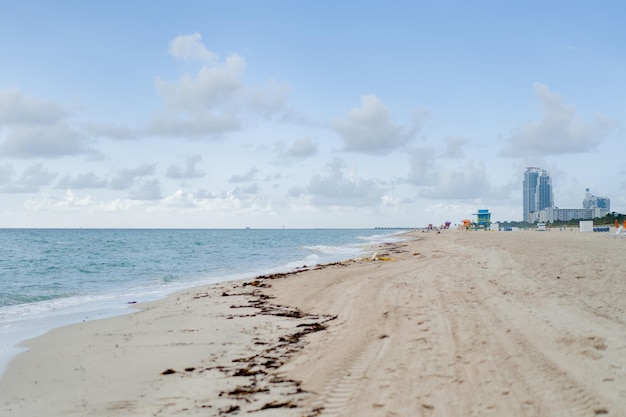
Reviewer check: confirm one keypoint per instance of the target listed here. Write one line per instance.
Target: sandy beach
(450, 324)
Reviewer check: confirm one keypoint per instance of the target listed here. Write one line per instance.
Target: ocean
(54, 277)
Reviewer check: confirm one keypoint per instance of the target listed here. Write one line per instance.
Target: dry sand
(454, 324)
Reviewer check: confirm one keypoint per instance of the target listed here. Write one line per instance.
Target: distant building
(537, 193)
(558, 214)
(545, 196)
(530, 185)
(592, 201)
(593, 207)
(538, 201)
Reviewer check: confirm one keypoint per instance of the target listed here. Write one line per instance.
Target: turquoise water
(54, 277)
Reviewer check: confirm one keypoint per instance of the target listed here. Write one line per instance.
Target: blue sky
(304, 114)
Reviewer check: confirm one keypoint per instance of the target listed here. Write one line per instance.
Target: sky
(325, 114)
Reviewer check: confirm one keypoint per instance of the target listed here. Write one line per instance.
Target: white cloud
(125, 178)
(204, 125)
(43, 142)
(215, 100)
(244, 192)
(30, 181)
(111, 131)
(202, 106)
(16, 188)
(269, 100)
(295, 151)
(370, 128)
(241, 202)
(212, 86)
(248, 176)
(188, 171)
(337, 189)
(203, 194)
(148, 198)
(190, 48)
(70, 202)
(438, 181)
(422, 166)
(37, 175)
(33, 128)
(301, 148)
(81, 181)
(559, 130)
(454, 147)
(6, 173)
(19, 109)
(451, 211)
(201, 201)
(149, 190)
(179, 199)
(469, 182)
(119, 205)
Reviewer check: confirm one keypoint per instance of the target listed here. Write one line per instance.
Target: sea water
(54, 277)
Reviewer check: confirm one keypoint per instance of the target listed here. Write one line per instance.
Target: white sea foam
(347, 250)
(383, 238)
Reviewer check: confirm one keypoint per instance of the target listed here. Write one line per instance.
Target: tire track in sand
(345, 384)
(555, 392)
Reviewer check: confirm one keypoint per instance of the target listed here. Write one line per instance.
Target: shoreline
(63, 312)
(269, 337)
(451, 324)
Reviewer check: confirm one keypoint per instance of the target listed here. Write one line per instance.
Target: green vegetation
(609, 219)
(521, 225)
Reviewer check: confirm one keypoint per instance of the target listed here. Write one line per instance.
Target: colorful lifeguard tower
(483, 220)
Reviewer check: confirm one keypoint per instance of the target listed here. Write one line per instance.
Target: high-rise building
(594, 201)
(530, 185)
(539, 201)
(537, 192)
(545, 196)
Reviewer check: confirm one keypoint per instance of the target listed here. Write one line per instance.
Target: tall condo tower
(537, 192)
(594, 201)
(530, 185)
(545, 196)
